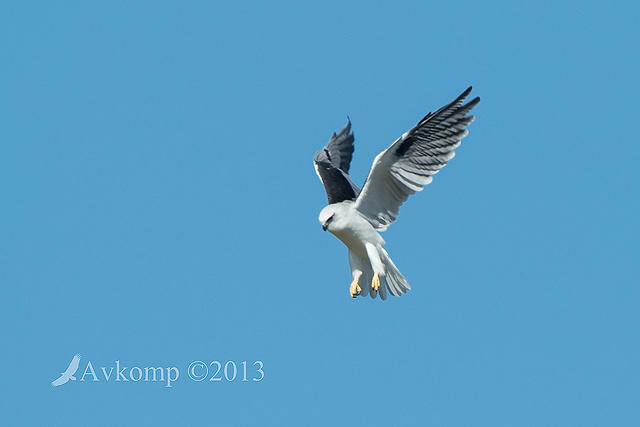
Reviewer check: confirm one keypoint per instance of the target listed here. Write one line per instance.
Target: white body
(366, 253)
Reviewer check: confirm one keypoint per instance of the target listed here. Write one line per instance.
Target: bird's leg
(376, 264)
(375, 282)
(354, 289)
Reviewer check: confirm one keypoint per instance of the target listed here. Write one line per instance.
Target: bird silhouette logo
(68, 373)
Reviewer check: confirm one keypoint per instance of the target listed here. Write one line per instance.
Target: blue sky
(160, 207)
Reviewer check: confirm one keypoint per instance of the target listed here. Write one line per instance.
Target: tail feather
(394, 287)
(395, 281)
(383, 287)
(372, 292)
(365, 283)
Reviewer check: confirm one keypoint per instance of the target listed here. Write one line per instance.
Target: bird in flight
(68, 373)
(357, 216)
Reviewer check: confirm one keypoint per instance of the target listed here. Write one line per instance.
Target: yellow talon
(354, 289)
(375, 282)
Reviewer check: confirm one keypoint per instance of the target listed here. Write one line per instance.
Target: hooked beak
(324, 226)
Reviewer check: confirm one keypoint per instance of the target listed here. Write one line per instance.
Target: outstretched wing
(408, 164)
(73, 366)
(60, 380)
(332, 166)
(340, 148)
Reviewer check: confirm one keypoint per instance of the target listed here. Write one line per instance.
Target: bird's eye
(329, 219)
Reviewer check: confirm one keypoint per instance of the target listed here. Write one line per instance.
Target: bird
(357, 216)
(68, 373)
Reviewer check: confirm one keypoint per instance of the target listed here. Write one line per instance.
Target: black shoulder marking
(336, 183)
(404, 145)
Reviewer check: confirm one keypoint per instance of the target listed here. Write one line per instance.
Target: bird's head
(327, 215)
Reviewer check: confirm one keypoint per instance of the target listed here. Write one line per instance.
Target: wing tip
(466, 93)
(346, 130)
(474, 101)
(463, 95)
